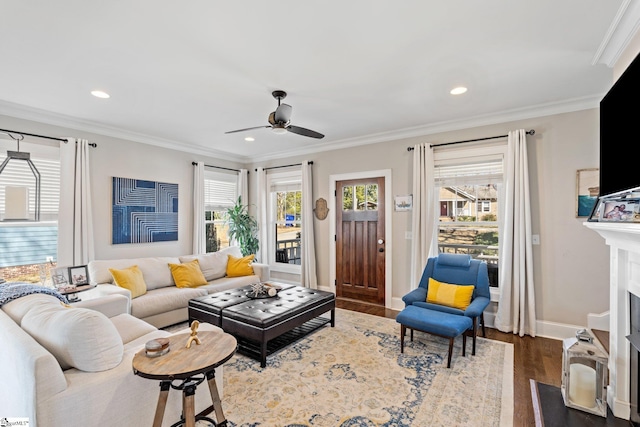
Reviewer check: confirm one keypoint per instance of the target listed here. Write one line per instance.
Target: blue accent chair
(458, 269)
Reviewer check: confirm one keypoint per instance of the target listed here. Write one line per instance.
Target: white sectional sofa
(164, 303)
(72, 366)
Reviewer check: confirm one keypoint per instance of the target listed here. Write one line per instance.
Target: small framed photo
(403, 203)
(60, 276)
(79, 275)
(620, 210)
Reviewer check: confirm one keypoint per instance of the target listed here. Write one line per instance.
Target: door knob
(381, 250)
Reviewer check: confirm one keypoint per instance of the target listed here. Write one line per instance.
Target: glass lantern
(585, 375)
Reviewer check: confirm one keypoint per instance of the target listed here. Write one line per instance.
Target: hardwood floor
(534, 358)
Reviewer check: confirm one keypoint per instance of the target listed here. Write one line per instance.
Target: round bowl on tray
(262, 290)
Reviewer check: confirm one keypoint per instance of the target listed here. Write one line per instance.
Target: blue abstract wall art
(144, 211)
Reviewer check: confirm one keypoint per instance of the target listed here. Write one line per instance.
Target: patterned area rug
(354, 375)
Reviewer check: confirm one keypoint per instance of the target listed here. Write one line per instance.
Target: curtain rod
(529, 132)
(218, 167)
(9, 132)
(285, 166)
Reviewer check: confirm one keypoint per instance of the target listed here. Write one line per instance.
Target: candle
(582, 385)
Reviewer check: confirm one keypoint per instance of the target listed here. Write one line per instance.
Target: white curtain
(424, 219)
(75, 221)
(199, 229)
(516, 307)
(308, 276)
(262, 208)
(243, 186)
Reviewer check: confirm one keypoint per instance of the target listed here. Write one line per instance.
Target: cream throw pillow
(78, 338)
(213, 265)
(130, 278)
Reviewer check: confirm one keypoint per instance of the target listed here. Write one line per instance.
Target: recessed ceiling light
(458, 90)
(100, 94)
(249, 139)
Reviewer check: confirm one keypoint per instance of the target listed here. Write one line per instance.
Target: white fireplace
(623, 240)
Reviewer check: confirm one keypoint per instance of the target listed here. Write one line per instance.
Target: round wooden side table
(189, 367)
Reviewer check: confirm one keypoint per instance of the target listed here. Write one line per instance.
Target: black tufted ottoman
(263, 326)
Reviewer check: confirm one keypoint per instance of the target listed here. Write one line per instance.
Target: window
(469, 186)
(285, 212)
(220, 193)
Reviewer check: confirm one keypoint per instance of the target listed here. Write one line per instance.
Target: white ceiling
(182, 73)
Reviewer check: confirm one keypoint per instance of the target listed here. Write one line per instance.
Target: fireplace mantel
(623, 240)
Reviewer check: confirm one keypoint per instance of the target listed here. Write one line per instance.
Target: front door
(360, 245)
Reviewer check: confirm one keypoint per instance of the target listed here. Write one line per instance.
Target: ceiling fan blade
(283, 113)
(242, 130)
(304, 132)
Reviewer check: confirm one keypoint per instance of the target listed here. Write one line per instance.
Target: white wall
(571, 270)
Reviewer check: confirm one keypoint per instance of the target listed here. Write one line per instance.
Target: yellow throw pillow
(456, 296)
(130, 278)
(188, 274)
(237, 267)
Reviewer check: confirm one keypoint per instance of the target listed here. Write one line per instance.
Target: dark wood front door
(360, 244)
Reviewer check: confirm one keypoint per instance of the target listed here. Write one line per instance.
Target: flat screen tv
(618, 119)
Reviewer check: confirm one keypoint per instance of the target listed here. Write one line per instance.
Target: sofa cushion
(188, 274)
(212, 265)
(130, 328)
(17, 308)
(130, 278)
(77, 337)
(456, 296)
(164, 300)
(154, 269)
(237, 267)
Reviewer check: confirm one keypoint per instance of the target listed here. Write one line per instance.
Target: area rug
(354, 375)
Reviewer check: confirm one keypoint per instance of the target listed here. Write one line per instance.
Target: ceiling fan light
(279, 130)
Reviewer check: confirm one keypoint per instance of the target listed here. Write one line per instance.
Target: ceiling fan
(280, 122)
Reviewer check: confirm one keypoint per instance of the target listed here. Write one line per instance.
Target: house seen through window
(469, 203)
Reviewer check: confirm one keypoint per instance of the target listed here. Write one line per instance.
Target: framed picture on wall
(587, 191)
(403, 203)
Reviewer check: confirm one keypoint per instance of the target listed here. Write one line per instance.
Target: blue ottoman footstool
(436, 323)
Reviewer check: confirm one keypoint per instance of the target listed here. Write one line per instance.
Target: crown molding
(37, 115)
(623, 28)
(549, 109)
(42, 116)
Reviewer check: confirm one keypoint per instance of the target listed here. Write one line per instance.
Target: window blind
(220, 190)
(486, 172)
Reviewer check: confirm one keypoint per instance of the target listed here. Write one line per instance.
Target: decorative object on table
(144, 211)
(587, 191)
(60, 276)
(78, 275)
(403, 203)
(263, 290)
(321, 209)
(585, 374)
(43, 273)
(194, 334)
(157, 347)
(243, 228)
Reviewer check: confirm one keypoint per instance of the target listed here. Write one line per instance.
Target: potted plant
(243, 228)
